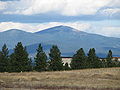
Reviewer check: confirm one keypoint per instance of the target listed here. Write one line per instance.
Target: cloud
(8, 0)
(10, 25)
(109, 31)
(83, 7)
(2, 5)
(44, 6)
(114, 3)
(110, 11)
(62, 7)
(34, 28)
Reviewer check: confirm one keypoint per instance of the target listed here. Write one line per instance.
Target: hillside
(13, 36)
(68, 40)
(97, 79)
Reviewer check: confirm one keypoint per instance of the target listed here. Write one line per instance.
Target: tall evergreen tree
(109, 59)
(4, 59)
(93, 60)
(19, 59)
(118, 64)
(56, 60)
(104, 64)
(40, 59)
(79, 60)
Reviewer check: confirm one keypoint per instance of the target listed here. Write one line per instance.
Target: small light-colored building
(66, 60)
(116, 58)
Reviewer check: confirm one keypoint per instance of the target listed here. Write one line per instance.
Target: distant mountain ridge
(68, 40)
(11, 37)
(57, 29)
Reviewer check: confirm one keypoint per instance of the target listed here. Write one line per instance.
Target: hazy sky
(94, 16)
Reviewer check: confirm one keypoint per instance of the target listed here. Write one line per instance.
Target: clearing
(85, 79)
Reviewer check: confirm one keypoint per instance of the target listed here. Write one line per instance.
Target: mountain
(13, 36)
(68, 40)
(32, 48)
(57, 29)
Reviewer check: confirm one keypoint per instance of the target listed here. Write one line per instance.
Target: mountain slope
(11, 37)
(68, 40)
(56, 30)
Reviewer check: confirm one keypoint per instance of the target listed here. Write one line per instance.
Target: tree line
(19, 60)
(81, 61)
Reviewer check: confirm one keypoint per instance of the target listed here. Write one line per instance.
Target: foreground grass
(104, 78)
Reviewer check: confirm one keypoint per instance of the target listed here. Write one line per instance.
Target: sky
(92, 16)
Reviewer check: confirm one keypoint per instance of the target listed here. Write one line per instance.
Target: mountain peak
(14, 30)
(62, 26)
(58, 29)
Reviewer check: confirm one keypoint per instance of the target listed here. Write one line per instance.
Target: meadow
(85, 79)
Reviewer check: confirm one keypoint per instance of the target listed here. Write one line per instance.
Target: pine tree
(30, 65)
(93, 60)
(55, 59)
(79, 60)
(109, 59)
(119, 64)
(4, 59)
(1, 63)
(19, 59)
(104, 64)
(40, 59)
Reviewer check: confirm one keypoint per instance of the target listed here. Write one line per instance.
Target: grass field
(86, 79)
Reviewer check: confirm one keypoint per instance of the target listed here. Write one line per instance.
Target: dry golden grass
(104, 78)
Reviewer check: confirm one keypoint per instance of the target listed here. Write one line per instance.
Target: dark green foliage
(93, 60)
(4, 59)
(40, 59)
(109, 59)
(30, 66)
(19, 59)
(55, 59)
(79, 60)
(66, 67)
(119, 64)
(104, 64)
